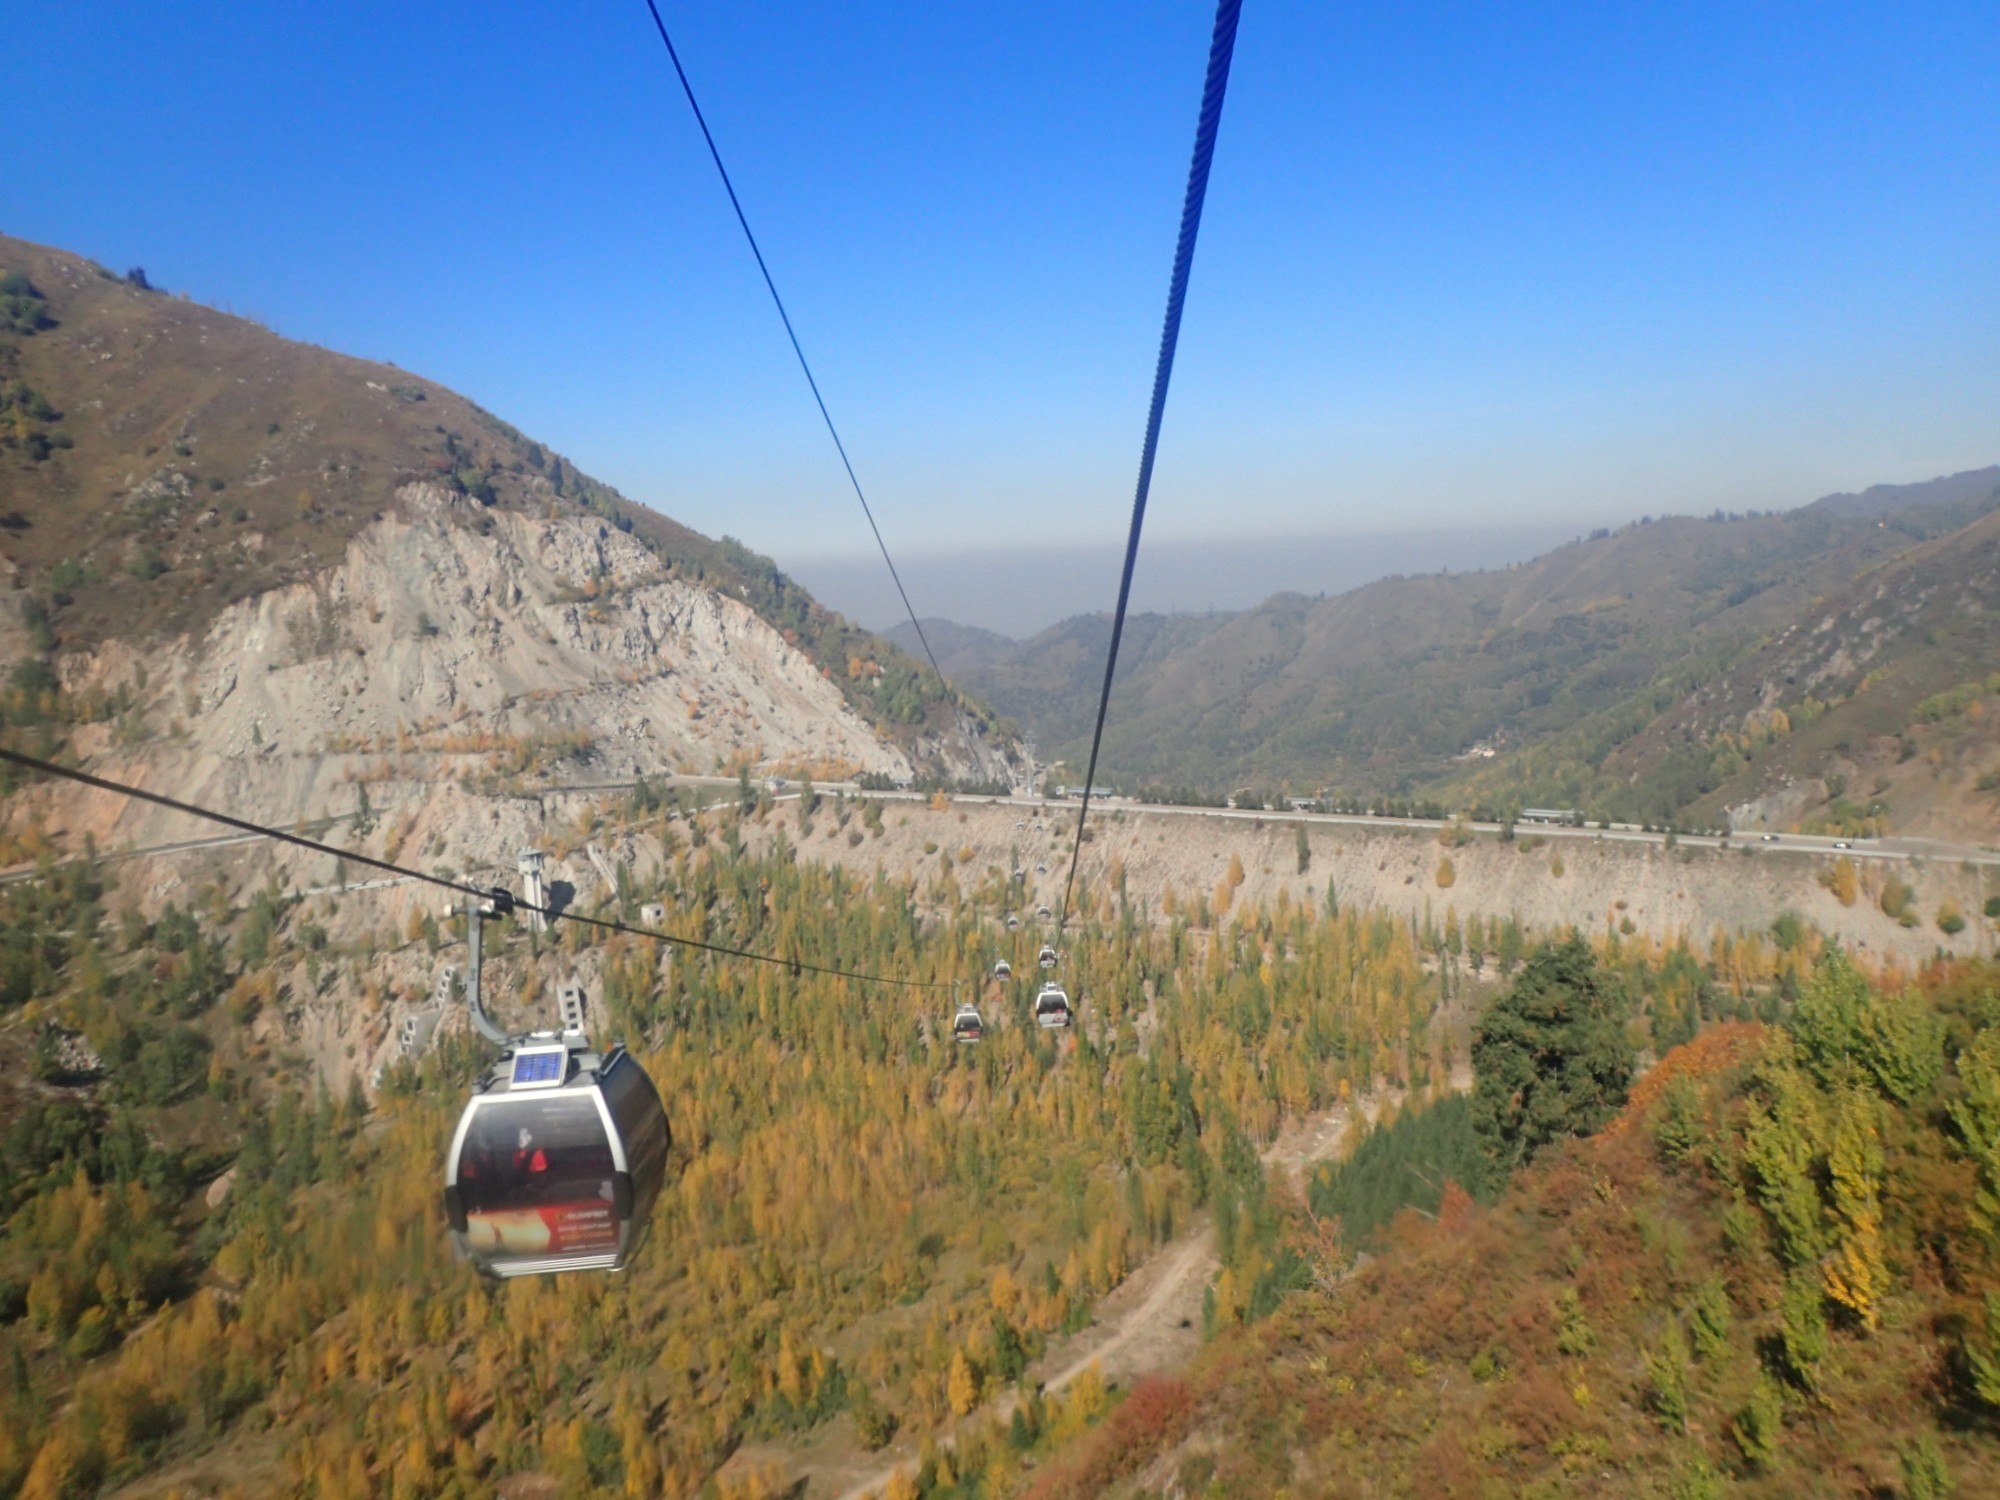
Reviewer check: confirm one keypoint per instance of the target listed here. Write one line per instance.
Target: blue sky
(1464, 265)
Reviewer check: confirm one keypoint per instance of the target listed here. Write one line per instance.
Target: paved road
(320, 827)
(1622, 833)
(180, 846)
(1805, 844)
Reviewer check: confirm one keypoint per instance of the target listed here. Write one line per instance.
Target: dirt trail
(1187, 1264)
(1149, 1322)
(1305, 1142)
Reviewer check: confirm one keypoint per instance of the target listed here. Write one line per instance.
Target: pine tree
(1550, 1059)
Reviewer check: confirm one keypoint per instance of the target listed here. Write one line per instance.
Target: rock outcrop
(439, 649)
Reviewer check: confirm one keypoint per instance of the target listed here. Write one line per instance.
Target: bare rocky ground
(436, 646)
(1558, 882)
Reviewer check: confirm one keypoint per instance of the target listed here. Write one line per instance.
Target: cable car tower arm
(478, 912)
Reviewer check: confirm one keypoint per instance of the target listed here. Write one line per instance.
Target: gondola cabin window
(538, 1178)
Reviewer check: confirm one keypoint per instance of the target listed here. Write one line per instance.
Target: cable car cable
(1222, 46)
(826, 416)
(500, 895)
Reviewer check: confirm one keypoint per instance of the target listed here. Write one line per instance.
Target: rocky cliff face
(311, 557)
(516, 648)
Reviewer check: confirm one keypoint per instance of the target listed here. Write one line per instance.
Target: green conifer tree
(1550, 1059)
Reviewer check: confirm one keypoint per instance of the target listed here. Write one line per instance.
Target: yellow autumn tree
(1088, 1399)
(791, 1371)
(1856, 1274)
(1006, 1292)
(961, 1384)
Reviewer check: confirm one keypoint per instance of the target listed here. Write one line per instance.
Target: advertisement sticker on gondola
(586, 1226)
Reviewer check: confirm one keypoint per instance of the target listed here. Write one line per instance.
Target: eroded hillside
(163, 464)
(436, 651)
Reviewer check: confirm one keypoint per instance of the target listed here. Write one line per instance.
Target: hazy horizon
(1457, 270)
(1020, 591)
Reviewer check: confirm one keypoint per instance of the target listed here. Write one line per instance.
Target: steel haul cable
(715, 154)
(1221, 47)
(554, 914)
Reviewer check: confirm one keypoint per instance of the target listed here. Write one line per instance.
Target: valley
(1819, 669)
(597, 902)
(336, 599)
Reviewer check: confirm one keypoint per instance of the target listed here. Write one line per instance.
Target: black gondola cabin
(558, 1159)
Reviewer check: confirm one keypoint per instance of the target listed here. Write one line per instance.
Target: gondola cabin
(1013, 922)
(1042, 912)
(557, 1161)
(1048, 956)
(966, 1026)
(1003, 970)
(1052, 1007)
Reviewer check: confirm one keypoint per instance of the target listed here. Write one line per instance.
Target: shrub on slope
(1779, 1273)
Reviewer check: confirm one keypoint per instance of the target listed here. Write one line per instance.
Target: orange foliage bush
(1715, 1050)
(1150, 1420)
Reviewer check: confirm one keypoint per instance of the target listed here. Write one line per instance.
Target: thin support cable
(1221, 47)
(833, 432)
(504, 898)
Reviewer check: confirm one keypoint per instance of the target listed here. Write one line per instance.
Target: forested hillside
(866, 1229)
(855, 1205)
(1776, 1272)
(1651, 674)
(1051, 683)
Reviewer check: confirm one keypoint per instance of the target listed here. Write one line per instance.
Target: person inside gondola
(529, 1159)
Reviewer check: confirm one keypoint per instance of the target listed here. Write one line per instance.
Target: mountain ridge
(165, 467)
(1893, 499)
(1464, 687)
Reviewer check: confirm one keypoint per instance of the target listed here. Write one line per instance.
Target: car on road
(1770, 838)
(1842, 844)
